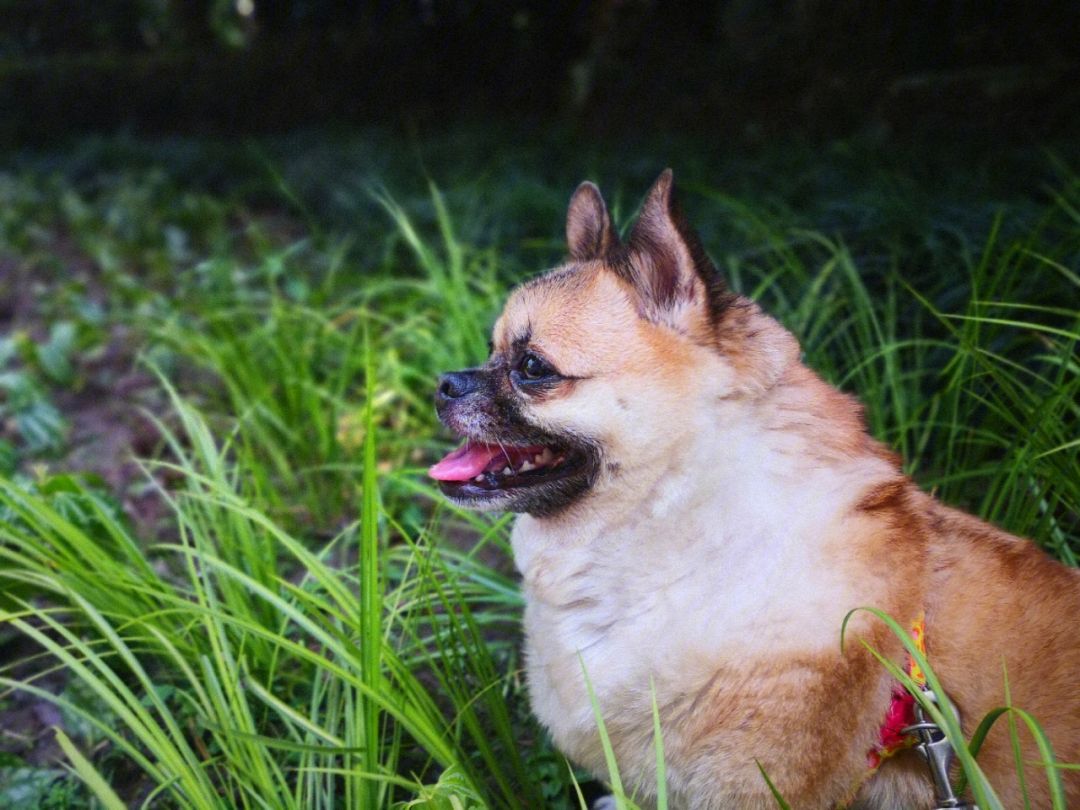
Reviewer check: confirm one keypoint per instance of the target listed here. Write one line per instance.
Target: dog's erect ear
(590, 232)
(667, 265)
(668, 246)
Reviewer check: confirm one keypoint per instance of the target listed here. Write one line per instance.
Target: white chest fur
(708, 571)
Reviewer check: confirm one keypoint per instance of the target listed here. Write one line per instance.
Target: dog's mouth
(478, 470)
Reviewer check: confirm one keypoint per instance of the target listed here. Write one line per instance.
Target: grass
(307, 624)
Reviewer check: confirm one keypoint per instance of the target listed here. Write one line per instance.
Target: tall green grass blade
(658, 743)
(370, 587)
(781, 802)
(1048, 760)
(605, 742)
(1014, 739)
(88, 773)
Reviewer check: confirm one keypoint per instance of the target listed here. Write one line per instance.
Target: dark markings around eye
(543, 388)
(521, 341)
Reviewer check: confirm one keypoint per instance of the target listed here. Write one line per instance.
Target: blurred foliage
(729, 66)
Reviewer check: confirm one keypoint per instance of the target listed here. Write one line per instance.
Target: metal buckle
(938, 753)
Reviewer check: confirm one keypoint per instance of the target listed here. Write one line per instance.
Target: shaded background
(981, 70)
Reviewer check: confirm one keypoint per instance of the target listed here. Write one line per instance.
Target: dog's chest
(656, 607)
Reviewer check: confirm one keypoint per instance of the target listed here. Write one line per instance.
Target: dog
(700, 511)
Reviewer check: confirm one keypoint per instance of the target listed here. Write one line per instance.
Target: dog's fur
(730, 510)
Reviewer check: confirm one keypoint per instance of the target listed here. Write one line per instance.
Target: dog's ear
(665, 262)
(590, 233)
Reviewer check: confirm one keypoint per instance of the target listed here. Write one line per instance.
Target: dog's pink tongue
(465, 463)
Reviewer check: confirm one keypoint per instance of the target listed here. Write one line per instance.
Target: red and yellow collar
(901, 711)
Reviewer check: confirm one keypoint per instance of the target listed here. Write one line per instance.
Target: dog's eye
(533, 368)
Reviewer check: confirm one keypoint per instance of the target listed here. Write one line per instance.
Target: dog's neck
(762, 466)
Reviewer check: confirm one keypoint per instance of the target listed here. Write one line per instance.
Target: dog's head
(601, 369)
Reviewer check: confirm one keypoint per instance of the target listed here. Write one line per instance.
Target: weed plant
(313, 627)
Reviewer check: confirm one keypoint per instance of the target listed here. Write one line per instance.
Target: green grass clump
(310, 625)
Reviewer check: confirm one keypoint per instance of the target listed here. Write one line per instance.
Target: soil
(109, 430)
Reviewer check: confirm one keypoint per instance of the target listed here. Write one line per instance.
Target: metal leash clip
(938, 753)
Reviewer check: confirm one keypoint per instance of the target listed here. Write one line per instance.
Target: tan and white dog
(699, 513)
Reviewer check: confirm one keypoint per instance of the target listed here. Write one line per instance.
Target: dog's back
(1004, 615)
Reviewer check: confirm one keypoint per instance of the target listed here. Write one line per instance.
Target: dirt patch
(105, 409)
(111, 429)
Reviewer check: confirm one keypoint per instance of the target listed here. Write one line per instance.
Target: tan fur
(741, 512)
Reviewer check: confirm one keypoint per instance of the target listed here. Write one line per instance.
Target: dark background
(999, 71)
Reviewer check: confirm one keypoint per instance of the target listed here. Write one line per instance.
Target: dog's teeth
(545, 457)
(479, 478)
(527, 465)
(506, 471)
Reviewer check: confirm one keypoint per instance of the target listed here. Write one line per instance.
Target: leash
(938, 753)
(906, 725)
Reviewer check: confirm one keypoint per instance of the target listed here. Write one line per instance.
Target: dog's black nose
(456, 384)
